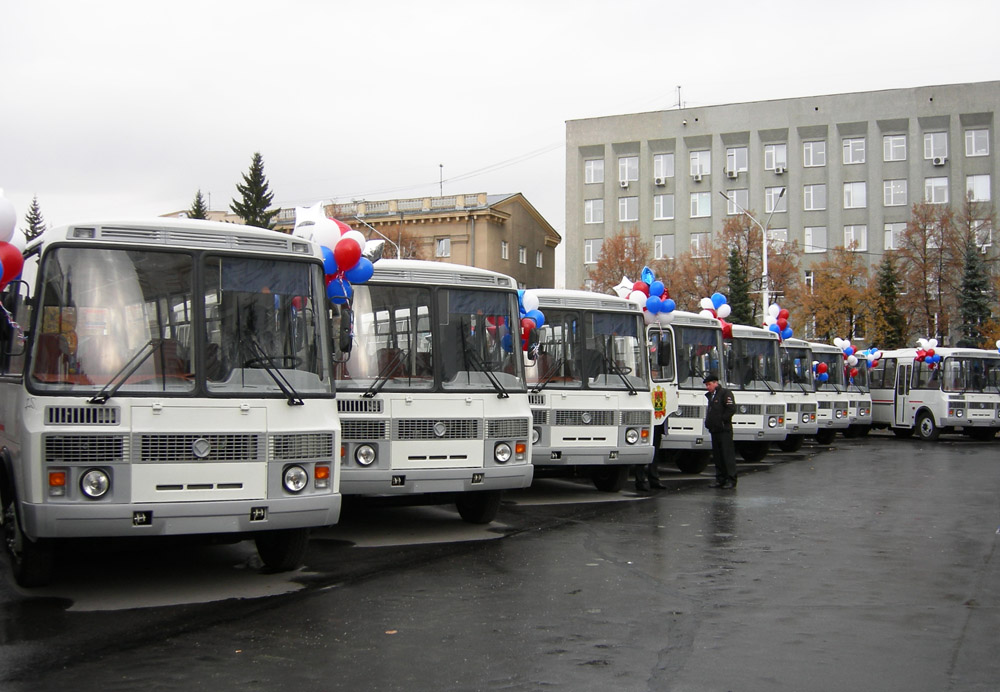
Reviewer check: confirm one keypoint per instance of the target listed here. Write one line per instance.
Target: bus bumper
(591, 456)
(421, 481)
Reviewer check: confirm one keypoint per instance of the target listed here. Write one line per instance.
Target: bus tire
(30, 561)
(927, 429)
(792, 443)
(692, 460)
(825, 436)
(282, 550)
(902, 432)
(480, 506)
(610, 479)
(753, 452)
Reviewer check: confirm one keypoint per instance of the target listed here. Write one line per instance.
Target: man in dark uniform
(719, 422)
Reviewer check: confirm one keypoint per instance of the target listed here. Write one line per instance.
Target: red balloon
(12, 261)
(782, 313)
(641, 286)
(346, 254)
(821, 368)
(854, 372)
(930, 351)
(727, 330)
(525, 336)
(528, 323)
(297, 302)
(341, 226)
(782, 323)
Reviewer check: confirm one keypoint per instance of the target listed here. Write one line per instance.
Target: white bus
(175, 379)
(753, 373)
(959, 394)
(800, 394)
(681, 353)
(859, 401)
(589, 387)
(832, 400)
(432, 394)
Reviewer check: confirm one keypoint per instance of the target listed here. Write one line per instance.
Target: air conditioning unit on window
(696, 177)
(732, 175)
(779, 170)
(623, 183)
(939, 160)
(660, 180)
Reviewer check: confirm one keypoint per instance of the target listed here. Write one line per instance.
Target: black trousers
(724, 455)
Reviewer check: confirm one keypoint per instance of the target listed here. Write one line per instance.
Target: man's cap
(710, 377)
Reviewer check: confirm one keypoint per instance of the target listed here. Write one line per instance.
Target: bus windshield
(752, 364)
(125, 321)
(965, 374)
(796, 369)
(834, 369)
(859, 381)
(699, 352)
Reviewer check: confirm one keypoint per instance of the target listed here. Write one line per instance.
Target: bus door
(900, 405)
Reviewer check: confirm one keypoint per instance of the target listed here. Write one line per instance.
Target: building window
(735, 200)
(893, 233)
(855, 195)
(701, 204)
(936, 190)
(504, 250)
(977, 188)
(663, 207)
(854, 150)
(699, 244)
(628, 168)
(593, 211)
(663, 247)
(856, 238)
(814, 239)
(442, 247)
(774, 200)
(628, 208)
(977, 142)
(813, 154)
(935, 145)
(894, 193)
(777, 240)
(593, 171)
(592, 250)
(736, 160)
(814, 197)
(663, 165)
(538, 259)
(522, 254)
(701, 162)
(775, 156)
(894, 148)
(810, 280)
(983, 229)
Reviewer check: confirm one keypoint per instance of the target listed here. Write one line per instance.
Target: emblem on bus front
(586, 418)
(201, 447)
(440, 429)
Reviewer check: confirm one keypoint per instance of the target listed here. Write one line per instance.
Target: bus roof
(742, 331)
(555, 297)
(422, 271)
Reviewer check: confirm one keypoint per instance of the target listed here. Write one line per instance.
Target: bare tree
(624, 256)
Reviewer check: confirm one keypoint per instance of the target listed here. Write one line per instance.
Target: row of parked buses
(188, 377)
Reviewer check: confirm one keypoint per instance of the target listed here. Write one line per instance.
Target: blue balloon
(339, 291)
(653, 304)
(361, 272)
(506, 343)
(537, 316)
(668, 305)
(774, 328)
(718, 300)
(786, 333)
(823, 376)
(657, 288)
(329, 263)
(647, 275)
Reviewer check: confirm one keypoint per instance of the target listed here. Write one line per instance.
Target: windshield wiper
(473, 359)
(267, 363)
(614, 368)
(548, 376)
(126, 371)
(383, 374)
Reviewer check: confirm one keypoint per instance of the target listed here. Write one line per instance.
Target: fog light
(295, 479)
(536, 435)
(364, 455)
(502, 452)
(631, 436)
(95, 483)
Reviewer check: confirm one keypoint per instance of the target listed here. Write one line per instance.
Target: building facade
(839, 170)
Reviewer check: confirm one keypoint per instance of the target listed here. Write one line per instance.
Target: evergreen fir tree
(974, 296)
(198, 210)
(889, 321)
(256, 197)
(739, 290)
(35, 221)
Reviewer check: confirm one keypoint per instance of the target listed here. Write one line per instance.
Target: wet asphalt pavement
(867, 565)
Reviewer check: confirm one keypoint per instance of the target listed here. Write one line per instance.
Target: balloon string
(17, 328)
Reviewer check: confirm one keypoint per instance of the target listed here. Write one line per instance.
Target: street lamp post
(379, 233)
(763, 231)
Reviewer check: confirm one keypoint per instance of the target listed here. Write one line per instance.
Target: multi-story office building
(851, 167)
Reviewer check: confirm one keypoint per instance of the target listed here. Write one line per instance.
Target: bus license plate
(258, 514)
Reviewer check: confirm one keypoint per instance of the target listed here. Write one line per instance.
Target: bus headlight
(364, 455)
(840, 414)
(95, 483)
(294, 478)
(772, 422)
(536, 435)
(959, 412)
(805, 417)
(502, 452)
(631, 436)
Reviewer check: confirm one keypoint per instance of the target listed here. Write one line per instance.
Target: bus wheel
(692, 461)
(30, 561)
(610, 479)
(282, 550)
(982, 434)
(927, 430)
(902, 432)
(792, 443)
(825, 436)
(479, 507)
(752, 452)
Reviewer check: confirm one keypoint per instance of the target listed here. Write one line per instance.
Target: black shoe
(728, 485)
(716, 484)
(655, 483)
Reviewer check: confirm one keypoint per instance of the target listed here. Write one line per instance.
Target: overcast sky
(116, 109)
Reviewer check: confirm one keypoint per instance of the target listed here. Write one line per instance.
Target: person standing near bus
(719, 422)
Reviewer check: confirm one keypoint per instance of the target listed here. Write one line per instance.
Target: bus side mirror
(345, 333)
(532, 346)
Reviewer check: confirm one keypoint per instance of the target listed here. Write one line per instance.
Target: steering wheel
(287, 362)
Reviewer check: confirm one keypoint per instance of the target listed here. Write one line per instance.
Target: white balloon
(998, 343)
(769, 320)
(666, 317)
(357, 236)
(773, 309)
(932, 343)
(637, 297)
(325, 232)
(838, 342)
(724, 310)
(922, 343)
(852, 360)
(706, 313)
(8, 219)
(530, 301)
(648, 317)
(706, 303)
(624, 288)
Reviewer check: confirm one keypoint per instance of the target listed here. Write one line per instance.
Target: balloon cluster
(718, 307)
(869, 357)
(821, 370)
(531, 316)
(777, 321)
(11, 259)
(926, 354)
(348, 258)
(650, 295)
(998, 345)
